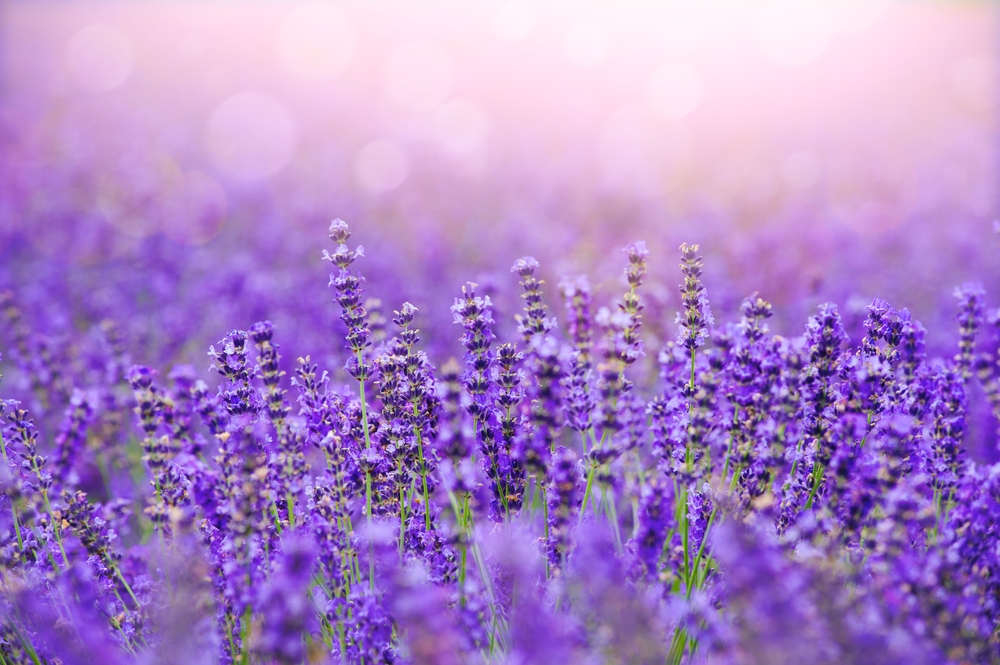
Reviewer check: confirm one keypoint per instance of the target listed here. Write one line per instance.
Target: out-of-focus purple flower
(656, 520)
(564, 499)
(286, 612)
(72, 436)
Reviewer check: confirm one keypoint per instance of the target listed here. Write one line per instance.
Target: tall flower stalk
(355, 317)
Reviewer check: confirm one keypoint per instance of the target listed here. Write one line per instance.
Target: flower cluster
(736, 497)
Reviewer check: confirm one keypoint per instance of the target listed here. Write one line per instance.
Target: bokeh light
(381, 166)
(316, 41)
(99, 57)
(418, 76)
(251, 136)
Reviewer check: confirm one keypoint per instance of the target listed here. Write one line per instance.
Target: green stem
(423, 477)
(693, 581)
(586, 492)
(402, 514)
(368, 483)
(13, 508)
(26, 643)
(817, 474)
(611, 512)
(48, 509)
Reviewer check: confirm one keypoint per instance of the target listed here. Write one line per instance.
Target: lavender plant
(591, 492)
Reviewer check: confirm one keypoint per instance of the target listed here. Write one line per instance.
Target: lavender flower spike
(697, 316)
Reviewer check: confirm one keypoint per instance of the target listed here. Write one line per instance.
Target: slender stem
(368, 483)
(402, 512)
(26, 643)
(13, 508)
(423, 477)
(290, 500)
(586, 492)
(817, 474)
(48, 509)
(701, 549)
(612, 514)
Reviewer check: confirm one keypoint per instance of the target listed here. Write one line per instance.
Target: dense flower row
(766, 500)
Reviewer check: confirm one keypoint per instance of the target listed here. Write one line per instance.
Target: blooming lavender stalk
(87, 523)
(420, 392)
(354, 316)
(179, 410)
(970, 303)
(392, 437)
(579, 401)
(545, 392)
(473, 313)
(286, 460)
(694, 324)
(238, 397)
(157, 451)
(72, 436)
(755, 375)
(563, 505)
(622, 347)
(21, 438)
(509, 393)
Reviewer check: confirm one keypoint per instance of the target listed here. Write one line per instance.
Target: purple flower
(970, 303)
(696, 320)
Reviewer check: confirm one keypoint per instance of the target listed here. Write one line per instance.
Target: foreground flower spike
(825, 341)
(355, 317)
(534, 322)
(270, 373)
(970, 316)
(656, 520)
(622, 346)
(509, 394)
(564, 499)
(167, 481)
(287, 459)
(349, 297)
(630, 306)
(238, 397)
(696, 320)
(473, 313)
(579, 400)
(544, 394)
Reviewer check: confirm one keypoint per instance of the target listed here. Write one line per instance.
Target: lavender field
(499, 333)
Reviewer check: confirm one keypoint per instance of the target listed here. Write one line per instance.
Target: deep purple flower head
(970, 303)
(237, 395)
(140, 377)
(637, 257)
(755, 311)
(534, 323)
(697, 318)
(350, 298)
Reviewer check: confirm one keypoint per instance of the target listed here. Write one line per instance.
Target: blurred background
(174, 165)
